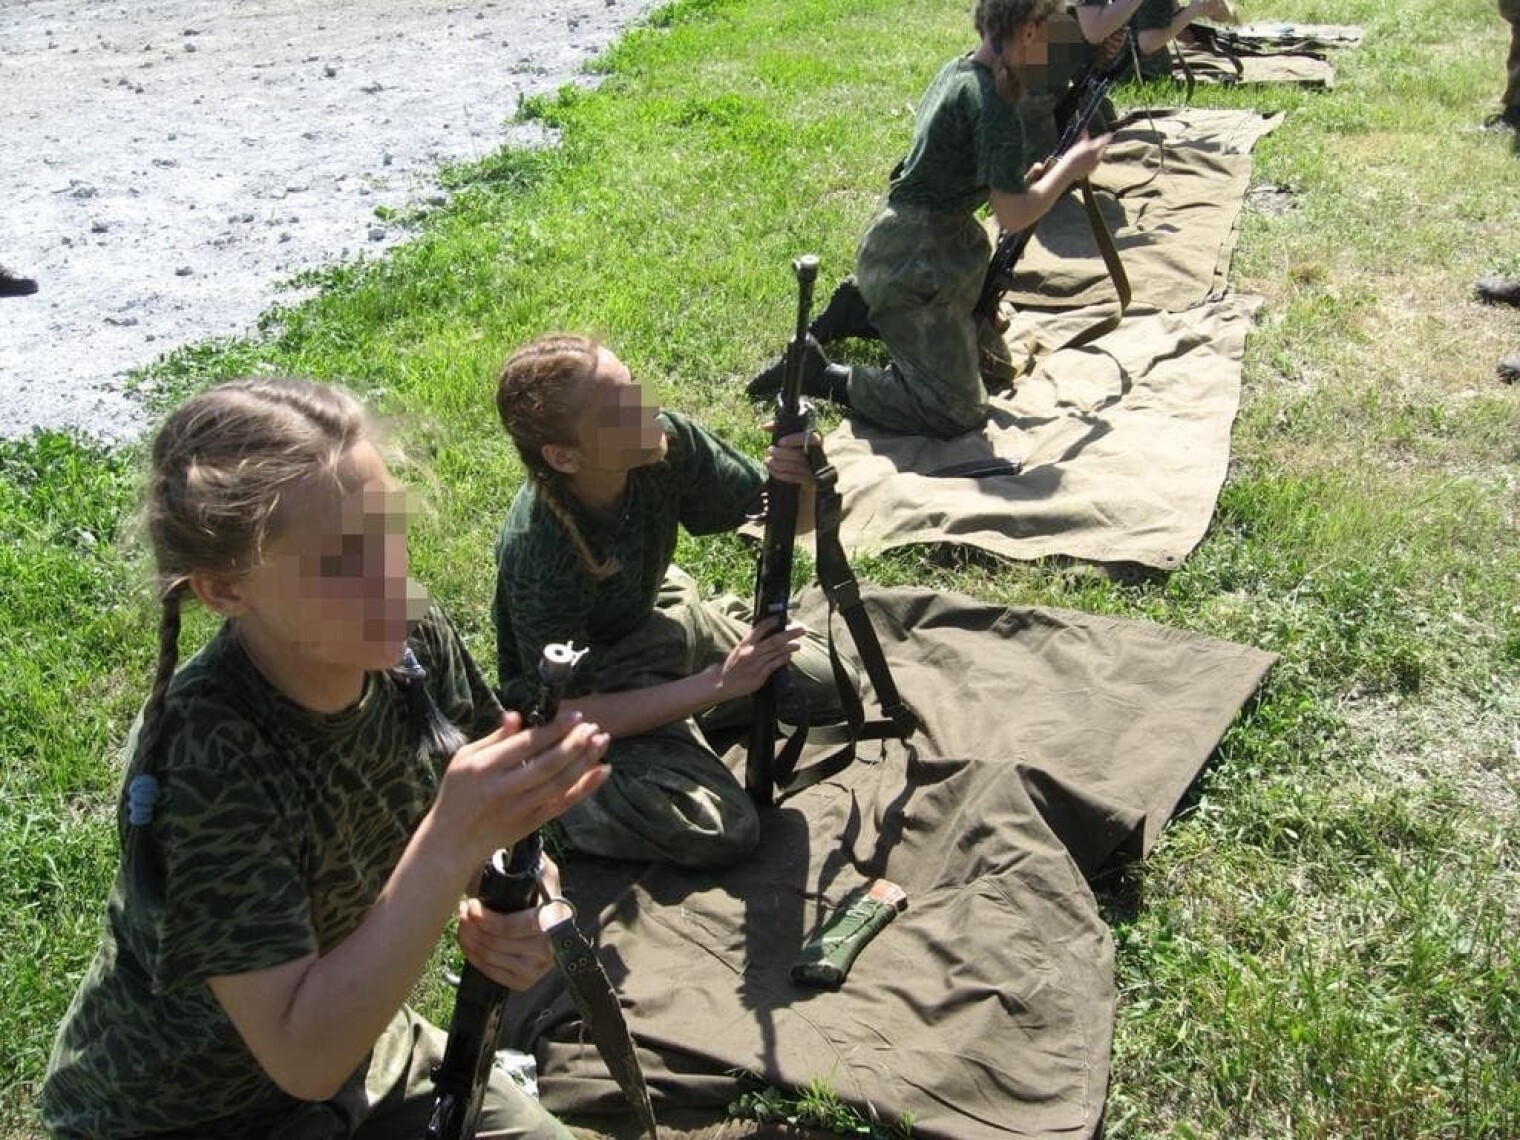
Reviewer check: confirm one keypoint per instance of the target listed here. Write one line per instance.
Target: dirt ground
(168, 162)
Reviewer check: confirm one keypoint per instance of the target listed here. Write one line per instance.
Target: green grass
(1324, 940)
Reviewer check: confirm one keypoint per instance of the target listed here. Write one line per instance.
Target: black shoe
(846, 314)
(1506, 120)
(820, 376)
(1509, 369)
(1498, 290)
(13, 285)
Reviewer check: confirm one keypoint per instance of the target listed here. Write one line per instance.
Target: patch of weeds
(816, 1106)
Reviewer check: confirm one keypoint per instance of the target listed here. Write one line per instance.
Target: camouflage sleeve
(235, 895)
(543, 594)
(1000, 162)
(719, 484)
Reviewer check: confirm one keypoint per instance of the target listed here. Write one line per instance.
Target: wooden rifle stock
(773, 571)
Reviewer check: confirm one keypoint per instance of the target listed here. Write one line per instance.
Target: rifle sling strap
(1111, 261)
(843, 593)
(602, 1016)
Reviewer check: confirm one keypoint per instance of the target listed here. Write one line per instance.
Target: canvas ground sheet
(1171, 186)
(1262, 52)
(1124, 442)
(1055, 745)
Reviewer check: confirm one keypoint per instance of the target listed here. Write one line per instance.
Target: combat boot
(14, 285)
(821, 377)
(1498, 290)
(1506, 120)
(846, 314)
(1509, 369)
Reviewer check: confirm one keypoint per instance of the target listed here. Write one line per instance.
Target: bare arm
(1155, 39)
(1098, 23)
(310, 1022)
(741, 673)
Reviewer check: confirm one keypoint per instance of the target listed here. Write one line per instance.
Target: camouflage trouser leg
(392, 1098)
(669, 797)
(1510, 10)
(921, 272)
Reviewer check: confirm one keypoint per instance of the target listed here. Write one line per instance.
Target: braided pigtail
(143, 788)
(436, 734)
(995, 21)
(600, 569)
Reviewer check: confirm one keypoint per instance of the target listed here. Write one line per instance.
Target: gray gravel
(167, 162)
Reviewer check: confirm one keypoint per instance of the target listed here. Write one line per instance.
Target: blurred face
(617, 430)
(332, 594)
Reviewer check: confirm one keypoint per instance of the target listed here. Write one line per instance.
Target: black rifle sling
(843, 593)
(600, 1012)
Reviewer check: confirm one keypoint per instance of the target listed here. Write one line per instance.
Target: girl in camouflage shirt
(922, 260)
(584, 556)
(301, 812)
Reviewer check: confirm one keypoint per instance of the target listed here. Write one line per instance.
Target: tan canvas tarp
(1171, 188)
(1125, 444)
(1268, 53)
(1055, 743)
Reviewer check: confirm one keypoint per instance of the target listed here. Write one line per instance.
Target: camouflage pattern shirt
(274, 832)
(965, 140)
(544, 592)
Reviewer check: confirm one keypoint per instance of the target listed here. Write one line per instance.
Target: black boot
(1509, 369)
(1498, 290)
(14, 285)
(820, 376)
(846, 314)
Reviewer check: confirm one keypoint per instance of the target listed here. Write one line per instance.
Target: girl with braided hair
(306, 801)
(584, 556)
(923, 258)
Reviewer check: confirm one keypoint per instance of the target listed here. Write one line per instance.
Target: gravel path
(167, 162)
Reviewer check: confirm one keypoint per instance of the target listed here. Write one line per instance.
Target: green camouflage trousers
(921, 272)
(670, 798)
(392, 1098)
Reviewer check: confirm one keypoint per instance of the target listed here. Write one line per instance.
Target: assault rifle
(508, 883)
(1077, 109)
(766, 771)
(773, 570)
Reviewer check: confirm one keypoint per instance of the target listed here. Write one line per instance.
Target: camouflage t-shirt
(966, 139)
(275, 830)
(544, 592)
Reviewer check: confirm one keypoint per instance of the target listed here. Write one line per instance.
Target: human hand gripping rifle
(1078, 108)
(509, 883)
